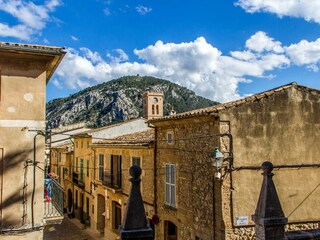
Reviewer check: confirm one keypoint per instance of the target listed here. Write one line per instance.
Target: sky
(221, 49)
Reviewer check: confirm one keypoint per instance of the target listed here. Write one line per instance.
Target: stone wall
(282, 128)
(193, 141)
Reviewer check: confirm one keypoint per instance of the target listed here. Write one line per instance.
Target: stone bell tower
(152, 105)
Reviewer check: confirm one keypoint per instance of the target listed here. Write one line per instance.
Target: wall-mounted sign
(242, 220)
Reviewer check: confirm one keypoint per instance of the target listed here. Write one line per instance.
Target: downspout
(154, 168)
(71, 170)
(230, 165)
(94, 163)
(1, 191)
(214, 209)
(39, 132)
(155, 171)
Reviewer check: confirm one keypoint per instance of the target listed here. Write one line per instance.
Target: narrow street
(70, 229)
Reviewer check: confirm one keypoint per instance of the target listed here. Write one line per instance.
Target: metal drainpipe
(39, 132)
(154, 168)
(1, 191)
(72, 168)
(155, 171)
(94, 163)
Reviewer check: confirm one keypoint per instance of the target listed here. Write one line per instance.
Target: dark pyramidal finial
(269, 218)
(135, 225)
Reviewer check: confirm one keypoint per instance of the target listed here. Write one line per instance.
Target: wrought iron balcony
(81, 184)
(53, 201)
(78, 180)
(111, 180)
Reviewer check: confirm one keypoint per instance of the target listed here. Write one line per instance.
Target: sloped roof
(93, 130)
(56, 52)
(142, 138)
(221, 107)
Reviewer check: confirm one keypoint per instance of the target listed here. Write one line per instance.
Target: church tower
(153, 105)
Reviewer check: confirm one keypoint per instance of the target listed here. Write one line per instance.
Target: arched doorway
(170, 231)
(101, 212)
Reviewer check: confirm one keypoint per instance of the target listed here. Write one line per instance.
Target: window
(81, 144)
(169, 138)
(77, 144)
(152, 109)
(170, 191)
(157, 108)
(101, 166)
(87, 168)
(59, 156)
(81, 170)
(136, 161)
(87, 144)
(76, 164)
(116, 171)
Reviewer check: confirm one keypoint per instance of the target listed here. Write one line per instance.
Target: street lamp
(217, 162)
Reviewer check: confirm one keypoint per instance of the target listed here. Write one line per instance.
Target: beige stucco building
(281, 125)
(24, 72)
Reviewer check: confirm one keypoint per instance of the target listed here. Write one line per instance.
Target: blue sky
(222, 49)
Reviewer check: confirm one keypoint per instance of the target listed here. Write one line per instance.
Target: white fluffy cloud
(260, 42)
(307, 9)
(32, 18)
(197, 65)
(83, 68)
(305, 53)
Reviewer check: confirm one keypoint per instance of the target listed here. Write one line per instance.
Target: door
(81, 218)
(170, 231)
(101, 212)
(70, 201)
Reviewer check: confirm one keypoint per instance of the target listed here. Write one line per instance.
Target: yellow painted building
(24, 72)
(94, 167)
(113, 159)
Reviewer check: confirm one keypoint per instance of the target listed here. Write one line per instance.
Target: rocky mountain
(119, 100)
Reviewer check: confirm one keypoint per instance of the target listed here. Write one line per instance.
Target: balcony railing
(111, 180)
(53, 201)
(81, 184)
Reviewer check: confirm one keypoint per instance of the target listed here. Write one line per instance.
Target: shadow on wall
(14, 163)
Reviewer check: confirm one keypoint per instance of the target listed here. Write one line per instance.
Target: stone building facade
(24, 72)
(280, 125)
